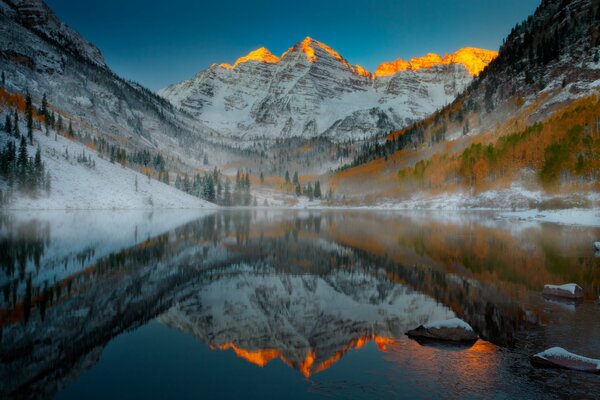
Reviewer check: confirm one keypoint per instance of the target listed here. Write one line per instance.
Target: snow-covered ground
(582, 217)
(105, 186)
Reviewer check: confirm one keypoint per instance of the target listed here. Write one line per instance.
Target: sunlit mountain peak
(261, 55)
(474, 60)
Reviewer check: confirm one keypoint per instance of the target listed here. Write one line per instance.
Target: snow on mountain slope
(105, 186)
(311, 90)
(41, 55)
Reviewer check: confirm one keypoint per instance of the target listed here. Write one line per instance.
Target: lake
(289, 304)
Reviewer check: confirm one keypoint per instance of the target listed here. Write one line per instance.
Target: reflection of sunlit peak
(261, 55)
(382, 342)
(259, 357)
(305, 366)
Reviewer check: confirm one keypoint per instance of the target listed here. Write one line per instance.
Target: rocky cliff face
(42, 55)
(311, 90)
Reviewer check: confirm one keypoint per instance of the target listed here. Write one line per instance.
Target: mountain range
(410, 128)
(312, 91)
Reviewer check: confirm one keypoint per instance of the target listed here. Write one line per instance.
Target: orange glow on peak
(261, 55)
(362, 71)
(474, 60)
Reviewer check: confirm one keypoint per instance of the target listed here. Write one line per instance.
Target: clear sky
(161, 42)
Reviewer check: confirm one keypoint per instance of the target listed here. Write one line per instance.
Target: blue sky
(158, 42)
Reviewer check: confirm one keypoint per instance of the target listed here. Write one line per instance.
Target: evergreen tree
(72, 133)
(30, 125)
(227, 193)
(295, 180)
(3, 79)
(309, 191)
(28, 104)
(22, 163)
(262, 177)
(209, 188)
(298, 190)
(38, 167)
(44, 109)
(287, 178)
(136, 183)
(317, 191)
(59, 124)
(8, 125)
(17, 131)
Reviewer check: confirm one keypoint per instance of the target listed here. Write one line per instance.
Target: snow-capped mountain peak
(473, 59)
(311, 90)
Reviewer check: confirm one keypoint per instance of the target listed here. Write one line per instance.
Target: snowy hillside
(105, 185)
(312, 91)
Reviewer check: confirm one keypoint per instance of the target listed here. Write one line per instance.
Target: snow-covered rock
(597, 246)
(569, 290)
(311, 90)
(557, 357)
(455, 330)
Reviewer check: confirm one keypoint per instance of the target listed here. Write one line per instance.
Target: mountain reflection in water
(304, 288)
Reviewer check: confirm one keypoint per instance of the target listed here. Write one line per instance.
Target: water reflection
(304, 288)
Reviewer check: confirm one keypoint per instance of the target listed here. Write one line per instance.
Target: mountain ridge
(312, 91)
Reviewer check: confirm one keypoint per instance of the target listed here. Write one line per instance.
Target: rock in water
(568, 291)
(597, 246)
(455, 330)
(557, 357)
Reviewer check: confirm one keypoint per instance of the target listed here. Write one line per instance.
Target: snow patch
(569, 287)
(559, 352)
(452, 323)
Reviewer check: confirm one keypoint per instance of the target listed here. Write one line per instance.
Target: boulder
(455, 330)
(568, 291)
(557, 357)
(597, 246)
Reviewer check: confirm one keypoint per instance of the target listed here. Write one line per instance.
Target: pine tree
(309, 191)
(298, 190)
(48, 183)
(71, 133)
(262, 177)
(295, 180)
(17, 131)
(227, 193)
(317, 191)
(60, 123)
(22, 163)
(37, 178)
(28, 104)
(3, 79)
(8, 125)
(136, 183)
(30, 125)
(287, 178)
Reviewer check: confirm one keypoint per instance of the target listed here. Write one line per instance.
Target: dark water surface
(288, 304)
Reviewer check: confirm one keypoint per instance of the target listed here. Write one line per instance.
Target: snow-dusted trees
(26, 174)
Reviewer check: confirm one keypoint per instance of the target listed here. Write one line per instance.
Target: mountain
(312, 91)
(41, 55)
(522, 133)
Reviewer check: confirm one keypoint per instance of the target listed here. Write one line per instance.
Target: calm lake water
(285, 304)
